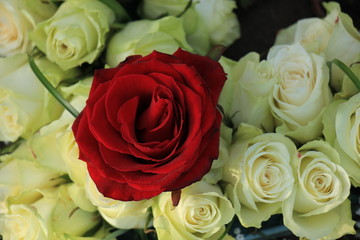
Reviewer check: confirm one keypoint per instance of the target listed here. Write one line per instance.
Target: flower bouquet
(122, 120)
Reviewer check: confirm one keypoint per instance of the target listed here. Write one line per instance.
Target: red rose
(151, 124)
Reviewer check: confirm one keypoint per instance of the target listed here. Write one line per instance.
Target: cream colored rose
(312, 33)
(15, 25)
(120, 214)
(258, 176)
(344, 117)
(22, 222)
(318, 207)
(18, 18)
(10, 129)
(246, 92)
(201, 214)
(302, 91)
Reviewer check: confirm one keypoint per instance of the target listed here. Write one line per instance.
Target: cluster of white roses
(45, 191)
(292, 145)
(296, 148)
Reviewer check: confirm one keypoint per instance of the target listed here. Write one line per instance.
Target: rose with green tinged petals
(216, 172)
(247, 90)
(22, 176)
(75, 34)
(25, 101)
(344, 117)
(215, 14)
(119, 214)
(344, 43)
(55, 145)
(201, 213)
(302, 92)
(318, 207)
(348, 89)
(64, 217)
(259, 175)
(203, 21)
(154, 9)
(141, 37)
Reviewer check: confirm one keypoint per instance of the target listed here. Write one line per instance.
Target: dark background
(262, 19)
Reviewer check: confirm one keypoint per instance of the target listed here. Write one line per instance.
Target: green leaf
(50, 88)
(346, 70)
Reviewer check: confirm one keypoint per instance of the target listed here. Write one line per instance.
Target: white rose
(201, 213)
(120, 214)
(302, 91)
(318, 207)
(259, 175)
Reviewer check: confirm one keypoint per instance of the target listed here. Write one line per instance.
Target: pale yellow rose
(120, 214)
(341, 130)
(318, 207)
(245, 96)
(302, 91)
(201, 213)
(23, 222)
(258, 175)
